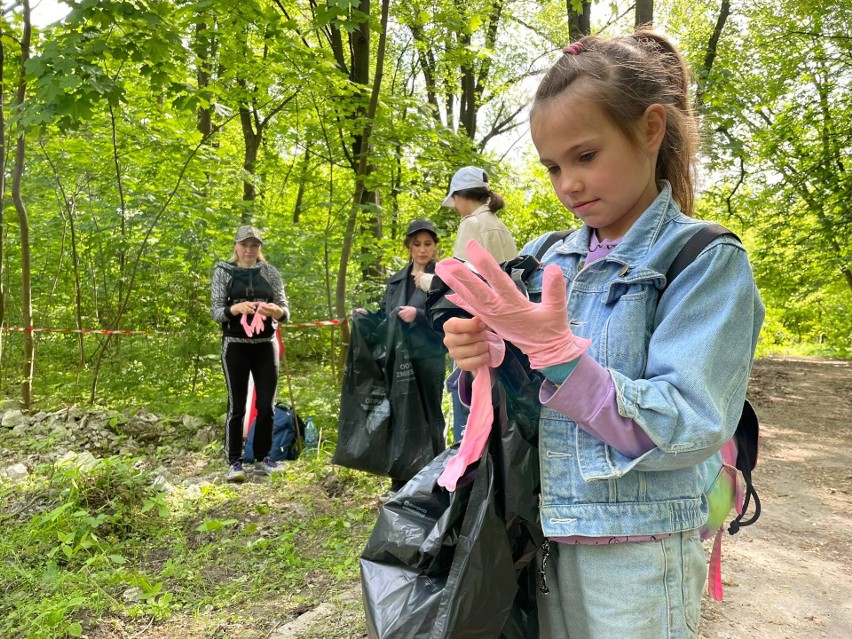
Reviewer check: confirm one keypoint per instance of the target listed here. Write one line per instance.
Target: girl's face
(422, 248)
(247, 252)
(599, 174)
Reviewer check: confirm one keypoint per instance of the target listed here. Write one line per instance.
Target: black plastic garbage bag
(441, 565)
(363, 434)
(390, 418)
(462, 573)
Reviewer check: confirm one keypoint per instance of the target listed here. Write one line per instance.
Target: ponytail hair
(485, 196)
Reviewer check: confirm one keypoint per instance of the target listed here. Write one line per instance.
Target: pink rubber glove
(541, 331)
(256, 325)
(480, 419)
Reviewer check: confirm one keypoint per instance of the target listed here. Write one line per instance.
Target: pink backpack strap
(714, 574)
(729, 459)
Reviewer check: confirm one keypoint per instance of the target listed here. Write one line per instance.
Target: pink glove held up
(481, 417)
(256, 325)
(541, 330)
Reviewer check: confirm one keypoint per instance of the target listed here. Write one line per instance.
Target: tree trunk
(579, 24)
(303, 176)
(644, 13)
(23, 220)
(710, 54)
(204, 122)
(251, 142)
(361, 171)
(2, 189)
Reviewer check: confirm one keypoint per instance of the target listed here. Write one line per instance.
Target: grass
(107, 547)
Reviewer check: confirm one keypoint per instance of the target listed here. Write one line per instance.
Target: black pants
(238, 360)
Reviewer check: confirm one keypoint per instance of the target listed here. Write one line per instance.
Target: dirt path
(790, 575)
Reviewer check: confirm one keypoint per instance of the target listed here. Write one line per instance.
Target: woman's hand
(466, 342)
(407, 313)
(243, 308)
(271, 310)
(423, 280)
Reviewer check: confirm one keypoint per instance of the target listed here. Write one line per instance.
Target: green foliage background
(131, 201)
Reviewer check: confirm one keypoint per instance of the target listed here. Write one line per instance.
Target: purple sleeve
(588, 397)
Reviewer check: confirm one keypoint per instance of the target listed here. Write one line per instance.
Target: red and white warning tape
(108, 331)
(332, 322)
(98, 331)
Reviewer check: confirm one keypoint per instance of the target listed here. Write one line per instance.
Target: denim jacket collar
(639, 238)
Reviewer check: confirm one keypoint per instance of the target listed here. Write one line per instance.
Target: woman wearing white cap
(471, 196)
(247, 298)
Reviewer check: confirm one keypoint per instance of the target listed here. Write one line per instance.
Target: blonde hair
(626, 75)
(234, 256)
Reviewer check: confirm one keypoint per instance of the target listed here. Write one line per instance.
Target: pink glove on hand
(256, 325)
(541, 331)
(480, 419)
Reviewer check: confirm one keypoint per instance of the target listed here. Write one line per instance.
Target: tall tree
(20, 207)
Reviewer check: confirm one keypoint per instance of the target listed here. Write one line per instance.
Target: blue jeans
(639, 590)
(460, 411)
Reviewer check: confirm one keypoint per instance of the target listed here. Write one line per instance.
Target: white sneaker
(267, 467)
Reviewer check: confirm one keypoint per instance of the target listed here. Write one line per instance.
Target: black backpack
(746, 438)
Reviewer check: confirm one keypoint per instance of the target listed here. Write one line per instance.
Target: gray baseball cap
(246, 233)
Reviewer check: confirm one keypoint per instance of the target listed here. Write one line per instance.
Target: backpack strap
(746, 438)
(687, 255)
(692, 249)
(552, 239)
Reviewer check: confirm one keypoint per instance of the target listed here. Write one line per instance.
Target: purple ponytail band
(573, 49)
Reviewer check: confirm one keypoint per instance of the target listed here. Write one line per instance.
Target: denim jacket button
(580, 266)
(623, 271)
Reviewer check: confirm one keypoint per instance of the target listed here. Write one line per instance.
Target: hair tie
(574, 48)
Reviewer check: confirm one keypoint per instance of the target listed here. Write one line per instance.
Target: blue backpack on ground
(285, 444)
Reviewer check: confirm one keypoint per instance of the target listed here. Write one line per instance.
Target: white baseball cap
(468, 177)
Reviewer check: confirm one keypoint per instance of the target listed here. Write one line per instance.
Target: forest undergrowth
(152, 540)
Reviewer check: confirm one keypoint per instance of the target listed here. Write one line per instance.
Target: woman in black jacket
(406, 294)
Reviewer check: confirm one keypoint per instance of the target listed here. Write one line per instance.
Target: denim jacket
(680, 369)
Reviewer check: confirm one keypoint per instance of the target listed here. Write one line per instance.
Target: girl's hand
(243, 308)
(541, 331)
(467, 343)
(407, 313)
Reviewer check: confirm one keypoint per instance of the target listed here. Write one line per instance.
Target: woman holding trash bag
(247, 299)
(405, 295)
